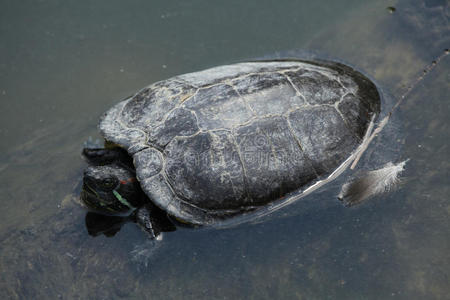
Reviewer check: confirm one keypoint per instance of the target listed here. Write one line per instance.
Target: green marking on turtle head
(122, 200)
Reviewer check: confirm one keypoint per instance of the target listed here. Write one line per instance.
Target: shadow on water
(65, 64)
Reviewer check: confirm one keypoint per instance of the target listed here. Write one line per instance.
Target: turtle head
(111, 189)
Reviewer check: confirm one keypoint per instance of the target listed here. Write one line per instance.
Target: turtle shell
(227, 140)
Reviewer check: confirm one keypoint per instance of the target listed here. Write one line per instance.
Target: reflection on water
(64, 64)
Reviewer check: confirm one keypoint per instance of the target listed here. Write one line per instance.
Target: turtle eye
(109, 182)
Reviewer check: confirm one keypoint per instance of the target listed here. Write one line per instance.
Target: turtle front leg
(101, 156)
(104, 156)
(153, 220)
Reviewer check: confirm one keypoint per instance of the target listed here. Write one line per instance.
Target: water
(63, 64)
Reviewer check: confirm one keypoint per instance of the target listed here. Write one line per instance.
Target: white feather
(371, 183)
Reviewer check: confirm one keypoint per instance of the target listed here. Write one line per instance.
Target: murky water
(64, 63)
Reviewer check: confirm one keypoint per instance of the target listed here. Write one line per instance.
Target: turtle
(204, 147)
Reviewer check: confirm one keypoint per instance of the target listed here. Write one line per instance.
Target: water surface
(64, 63)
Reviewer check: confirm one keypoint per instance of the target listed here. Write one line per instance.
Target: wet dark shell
(226, 140)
